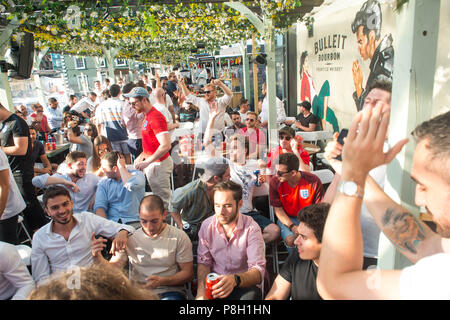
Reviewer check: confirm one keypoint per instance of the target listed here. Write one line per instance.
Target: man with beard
(340, 275)
(65, 243)
(81, 185)
(231, 245)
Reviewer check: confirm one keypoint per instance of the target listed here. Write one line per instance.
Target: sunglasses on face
(287, 138)
(251, 120)
(280, 173)
(208, 91)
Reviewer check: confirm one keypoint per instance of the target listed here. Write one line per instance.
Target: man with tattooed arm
(341, 275)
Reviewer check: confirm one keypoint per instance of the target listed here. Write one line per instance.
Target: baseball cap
(137, 92)
(214, 167)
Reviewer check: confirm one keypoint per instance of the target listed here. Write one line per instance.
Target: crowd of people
(112, 205)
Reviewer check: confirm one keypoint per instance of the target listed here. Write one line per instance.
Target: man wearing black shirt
(306, 121)
(297, 278)
(16, 143)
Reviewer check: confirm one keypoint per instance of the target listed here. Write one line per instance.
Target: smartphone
(340, 139)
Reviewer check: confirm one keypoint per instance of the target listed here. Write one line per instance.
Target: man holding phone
(379, 91)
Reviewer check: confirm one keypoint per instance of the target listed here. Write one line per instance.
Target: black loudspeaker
(21, 56)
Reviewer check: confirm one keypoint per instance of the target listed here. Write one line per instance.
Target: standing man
(11, 202)
(133, 122)
(204, 104)
(15, 142)
(54, 115)
(155, 159)
(290, 191)
(257, 138)
(81, 185)
(367, 27)
(65, 242)
(264, 107)
(110, 122)
(231, 245)
(305, 120)
(243, 109)
(160, 255)
(120, 191)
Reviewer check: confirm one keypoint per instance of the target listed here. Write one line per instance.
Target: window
(80, 63)
(121, 62)
(82, 81)
(101, 62)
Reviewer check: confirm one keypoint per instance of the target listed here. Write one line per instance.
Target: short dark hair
(236, 113)
(75, 155)
(382, 84)
(305, 104)
(54, 191)
(436, 131)
(151, 203)
(229, 185)
(287, 130)
(314, 217)
(51, 100)
(243, 101)
(72, 96)
(92, 93)
(370, 17)
(111, 157)
(290, 160)
(128, 87)
(114, 90)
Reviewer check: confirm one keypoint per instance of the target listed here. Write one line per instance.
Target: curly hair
(99, 282)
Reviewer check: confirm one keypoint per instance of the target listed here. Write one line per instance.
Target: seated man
(193, 202)
(230, 245)
(120, 191)
(81, 185)
(236, 126)
(52, 251)
(160, 255)
(16, 282)
(289, 142)
(305, 120)
(38, 153)
(289, 192)
(297, 277)
(242, 172)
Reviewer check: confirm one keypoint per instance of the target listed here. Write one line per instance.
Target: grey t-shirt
(85, 146)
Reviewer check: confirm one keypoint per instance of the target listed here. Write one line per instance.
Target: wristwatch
(238, 280)
(351, 189)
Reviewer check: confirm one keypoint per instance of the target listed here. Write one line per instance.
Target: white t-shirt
(15, 279)
(428, 279)
(281, 113)
(243, 175)
(15, 203)
(158, 256)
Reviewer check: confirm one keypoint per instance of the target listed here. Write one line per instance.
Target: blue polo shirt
(121, 201)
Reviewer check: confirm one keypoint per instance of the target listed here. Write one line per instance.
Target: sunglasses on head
(287, 138)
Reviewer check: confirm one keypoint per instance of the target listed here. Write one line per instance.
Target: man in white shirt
(54, 114)
(161, 105)
(11, 202)
(110, 122)
(264, 106)
(81, 185)
(64, 243)
(204, 104)
(340, 275)
(16, 282)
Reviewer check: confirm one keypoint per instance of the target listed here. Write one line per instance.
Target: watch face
(350, 188)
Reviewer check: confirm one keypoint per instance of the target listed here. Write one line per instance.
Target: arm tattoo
(403, 229)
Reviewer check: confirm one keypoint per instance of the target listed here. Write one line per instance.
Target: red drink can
(211, 279)
(48, 146)
(53, 146)
(224, 146)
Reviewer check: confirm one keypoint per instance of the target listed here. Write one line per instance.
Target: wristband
(292, 225)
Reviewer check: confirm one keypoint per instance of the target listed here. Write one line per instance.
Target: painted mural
(351, 46)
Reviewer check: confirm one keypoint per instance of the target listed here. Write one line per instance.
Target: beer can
(211, 279)
(48, 146)
(187, 228)
(256, 173)
(53, 146)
